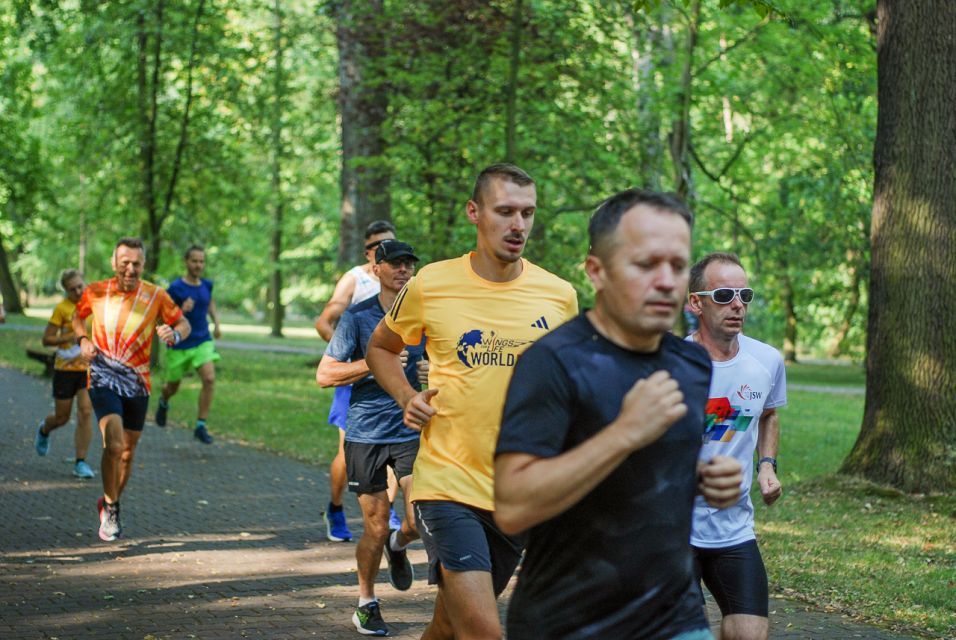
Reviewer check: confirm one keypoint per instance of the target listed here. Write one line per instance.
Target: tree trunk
(8, 286)
(836, 347)
(276, 310)
(790, 321)
(643, 68)
(147, 105)
(908, 436)
(363, 103)
(511, 116)
(680, 131)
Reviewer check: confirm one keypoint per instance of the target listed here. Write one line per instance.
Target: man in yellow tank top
(479, 312)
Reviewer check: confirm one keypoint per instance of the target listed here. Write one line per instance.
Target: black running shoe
(161, 413)
(202, 435)
(368, 620)
(400, 570)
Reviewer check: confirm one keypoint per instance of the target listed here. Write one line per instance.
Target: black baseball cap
(390, 250)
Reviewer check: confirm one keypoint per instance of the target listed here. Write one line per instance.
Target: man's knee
(740, 626)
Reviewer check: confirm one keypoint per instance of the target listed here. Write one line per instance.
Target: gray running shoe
(110, 527)
(368, 620)
(400, 570)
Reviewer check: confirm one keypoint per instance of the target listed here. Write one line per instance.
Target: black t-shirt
(618, 563)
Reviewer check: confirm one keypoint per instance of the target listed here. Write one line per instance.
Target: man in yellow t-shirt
(69, 378)
(479, 312)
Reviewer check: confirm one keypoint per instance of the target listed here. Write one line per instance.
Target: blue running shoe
(42, 442)
(202, 435)
(394, 522)
(336, 528)
(82, 470)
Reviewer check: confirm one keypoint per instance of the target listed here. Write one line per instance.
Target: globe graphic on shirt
(468, 342)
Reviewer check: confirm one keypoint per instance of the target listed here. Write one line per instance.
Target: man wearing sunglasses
(356, 285)
(747, 385)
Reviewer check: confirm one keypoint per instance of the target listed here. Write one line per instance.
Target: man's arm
(384, 358)
(214, 314)
(333, 373)
(531, 489)
(768, 438)
(335, 307)
(87, 348)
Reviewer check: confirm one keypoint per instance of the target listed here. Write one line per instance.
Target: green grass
(835, 542)
(831, 375)
(841, 543)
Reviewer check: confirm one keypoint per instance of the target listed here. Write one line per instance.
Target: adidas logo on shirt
(541, 323)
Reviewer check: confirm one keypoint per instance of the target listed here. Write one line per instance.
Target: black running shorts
(66, 384)
(736, 577)
(463, 538)
(366, 464)
(131, 410)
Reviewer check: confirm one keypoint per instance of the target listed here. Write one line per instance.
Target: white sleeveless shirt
(365, 285)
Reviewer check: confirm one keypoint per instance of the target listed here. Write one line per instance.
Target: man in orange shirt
(126, 311)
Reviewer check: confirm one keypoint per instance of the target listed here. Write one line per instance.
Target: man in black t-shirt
(597, 454)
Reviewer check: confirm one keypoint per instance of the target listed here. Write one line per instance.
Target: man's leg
(84, 424)
(337, 476)
(737, 579)
(207, 374)
(111, 428)
(741, 626)
(169, 390)
(368, 552)
(130, 440)
(465, 606)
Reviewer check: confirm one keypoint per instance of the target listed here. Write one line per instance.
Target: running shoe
(82, 470)
(161, 413)
(41, 442)
(336, 528)
(110, 527)
(400, 570)
(394, 522)
(368, 620)
(202, 435)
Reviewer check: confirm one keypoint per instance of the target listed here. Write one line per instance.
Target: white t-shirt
(740, 390)
(366, 286)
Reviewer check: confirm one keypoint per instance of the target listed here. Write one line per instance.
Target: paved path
(221, 542)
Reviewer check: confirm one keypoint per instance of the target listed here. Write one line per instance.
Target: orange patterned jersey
(123, 328)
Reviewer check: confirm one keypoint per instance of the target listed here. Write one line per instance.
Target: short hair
(503, 171)
(132, 243)
(697, 271)
(195, 247)
(607, 216)
(68, 275)
(377, 227)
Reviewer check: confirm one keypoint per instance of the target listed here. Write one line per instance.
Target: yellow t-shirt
(67, 357)
(476, 329)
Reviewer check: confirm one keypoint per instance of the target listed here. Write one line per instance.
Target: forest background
(227, 124)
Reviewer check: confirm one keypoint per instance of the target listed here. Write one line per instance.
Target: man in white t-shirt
(356, 285)
(747, 386)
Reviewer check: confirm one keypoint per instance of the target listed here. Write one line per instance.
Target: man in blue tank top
(193, 294)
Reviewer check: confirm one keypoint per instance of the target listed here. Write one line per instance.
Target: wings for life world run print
(487, 348)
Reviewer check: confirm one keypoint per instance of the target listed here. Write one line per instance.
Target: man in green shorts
(193, 294)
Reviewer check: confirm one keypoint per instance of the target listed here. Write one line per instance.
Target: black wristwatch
(772, 461)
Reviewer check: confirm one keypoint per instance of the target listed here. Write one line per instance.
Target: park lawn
(269, 400)
(829, 375)
(835, 542)
(847, 545)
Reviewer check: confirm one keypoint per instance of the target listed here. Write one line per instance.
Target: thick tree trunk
(147, 87)
(908, 436)
(648, 40)
(8, 286)
(363, 103)
(276, 310)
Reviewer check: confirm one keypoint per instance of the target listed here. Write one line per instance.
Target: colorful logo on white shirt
(724, 420)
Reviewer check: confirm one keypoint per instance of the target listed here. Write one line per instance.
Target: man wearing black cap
(377, 437)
